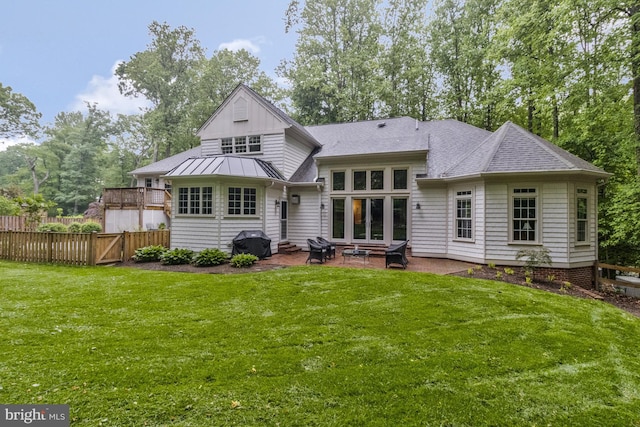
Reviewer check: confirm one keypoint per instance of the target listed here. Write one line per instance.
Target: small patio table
(356, 253)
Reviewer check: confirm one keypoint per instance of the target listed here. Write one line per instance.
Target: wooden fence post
(92, 250)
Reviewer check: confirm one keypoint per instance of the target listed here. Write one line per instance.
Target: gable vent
(240, 110)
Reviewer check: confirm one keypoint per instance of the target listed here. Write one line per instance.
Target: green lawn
(311, 346)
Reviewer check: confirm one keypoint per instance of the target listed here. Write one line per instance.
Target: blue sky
(61, 53)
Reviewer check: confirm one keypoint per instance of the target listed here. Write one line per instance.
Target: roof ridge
(546, 146)
(498, 135)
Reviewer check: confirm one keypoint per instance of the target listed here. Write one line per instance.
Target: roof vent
(381, 124)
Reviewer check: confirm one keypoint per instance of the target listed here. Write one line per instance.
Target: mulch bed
(629, 304)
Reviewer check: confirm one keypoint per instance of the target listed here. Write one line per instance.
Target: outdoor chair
(396, 254)
(329, 246)
(316, 251)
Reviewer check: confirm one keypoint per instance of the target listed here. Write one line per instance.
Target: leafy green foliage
(243, 260)
(56, 227)
(534, 258)
(209, 257)
(75, 227)
(149, 253)
(8, 207)
(90, 227)
(177, 256)
(18, 115)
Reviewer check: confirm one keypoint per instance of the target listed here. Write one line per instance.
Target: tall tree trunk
(634, 14)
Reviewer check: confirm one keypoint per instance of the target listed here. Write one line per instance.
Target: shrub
(177, 256)
(90, 227)
(75, 227)
(149, 253)
(533, 258)
(56, 227)
(243, 260)
(209, 257)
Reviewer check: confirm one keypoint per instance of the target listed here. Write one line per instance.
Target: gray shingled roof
(238, 166)
(370, 137)
(165, 165)
(513, 149)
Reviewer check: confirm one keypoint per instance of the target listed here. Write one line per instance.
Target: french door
(368, 220)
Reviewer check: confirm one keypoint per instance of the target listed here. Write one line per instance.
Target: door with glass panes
(368, 219)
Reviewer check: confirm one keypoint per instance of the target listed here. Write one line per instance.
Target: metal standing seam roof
(246, 167)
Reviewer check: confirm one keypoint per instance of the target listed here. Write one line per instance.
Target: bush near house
(90, 227)
(210, 257)
(177, 256)
(243, 260)
(149, 253)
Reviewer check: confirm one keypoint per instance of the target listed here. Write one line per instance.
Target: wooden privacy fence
(77, 248)
(19, 223)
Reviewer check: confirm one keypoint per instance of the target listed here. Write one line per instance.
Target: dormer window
(241, 144)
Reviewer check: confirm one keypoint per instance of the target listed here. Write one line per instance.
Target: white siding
(272, 149)
(474, 249)
(497, 223)
(305, 218)
(295, 152)
(554, 217)
(429, 223)
(583, 252)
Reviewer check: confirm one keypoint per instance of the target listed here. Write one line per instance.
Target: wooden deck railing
(608, 274)
(139, 197)
(77, 248)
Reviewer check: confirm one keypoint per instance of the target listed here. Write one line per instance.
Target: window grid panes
(242, 201)
(338, 181)
(227, 145)
(338, 215)
(254, 144)
(463, 215)
(360, 180)
(195, 200)
(241, 144)
(524, 215)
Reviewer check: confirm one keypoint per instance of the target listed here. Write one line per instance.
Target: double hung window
(241, 144)
(582, 220)
(524, 215)
(464, 221)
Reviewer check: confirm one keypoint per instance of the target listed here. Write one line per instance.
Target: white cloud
(252, 46)
(104, 92)
(6, 143)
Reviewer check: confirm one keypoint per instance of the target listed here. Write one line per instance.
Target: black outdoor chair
(316, 251)
(329, 246)
(396, 254)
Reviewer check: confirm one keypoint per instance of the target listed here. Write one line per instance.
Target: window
(581, 216)
(524, 215)
(360, 180)
(227, 145)
(464, 222)
(148, 182)
(338, 181)
(400, 179)
(377, 180)
(399, 219)
(372, 180)
(337, 212)
(195, 200)
(242, 201)
(241, 144)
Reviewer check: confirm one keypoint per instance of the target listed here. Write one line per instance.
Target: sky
(61, 53)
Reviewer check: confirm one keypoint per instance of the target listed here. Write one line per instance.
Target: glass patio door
(368, 220)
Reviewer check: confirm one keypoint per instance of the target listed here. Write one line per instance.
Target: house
(451, 189)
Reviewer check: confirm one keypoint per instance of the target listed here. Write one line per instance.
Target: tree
(335, 71)
(165, 74)
(408, 86)
(18, 115)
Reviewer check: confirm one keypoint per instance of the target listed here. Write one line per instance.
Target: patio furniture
(356, 253)
(316, 251)
(396, 254)
(330, 246)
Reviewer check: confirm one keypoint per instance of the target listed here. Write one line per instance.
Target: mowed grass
(311, 346)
